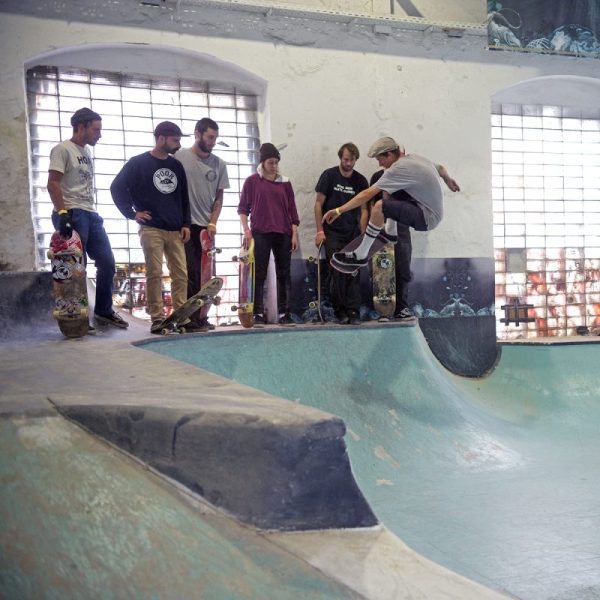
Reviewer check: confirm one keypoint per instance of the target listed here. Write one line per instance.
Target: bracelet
(211, 226)
(338, 212)
(62, 211)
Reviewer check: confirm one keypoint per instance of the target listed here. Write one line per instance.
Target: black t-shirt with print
(337, 191)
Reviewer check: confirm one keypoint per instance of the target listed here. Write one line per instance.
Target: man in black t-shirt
(335, 187)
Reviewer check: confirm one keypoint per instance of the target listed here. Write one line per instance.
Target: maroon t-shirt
(270, 205)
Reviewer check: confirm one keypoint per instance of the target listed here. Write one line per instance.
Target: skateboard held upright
(207, 271)
(69, 285)
(245, 306)
(316, 304)
(383, 268)
(176, 321)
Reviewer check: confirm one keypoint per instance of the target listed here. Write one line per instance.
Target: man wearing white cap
(420, 206)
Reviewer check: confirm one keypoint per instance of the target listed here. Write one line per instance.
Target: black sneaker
(348, 259)
(259, 320)
(405, 315)
(286, 319)
(354, 318)
(155, 327)
(206, 324)
(112, 319)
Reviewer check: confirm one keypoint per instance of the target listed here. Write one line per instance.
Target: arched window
(546, 203)
(131, 104)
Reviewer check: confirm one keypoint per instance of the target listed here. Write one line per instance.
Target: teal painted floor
(496, 478)
(79, 520)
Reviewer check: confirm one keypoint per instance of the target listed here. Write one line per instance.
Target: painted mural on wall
(570, 27)
(440, 288)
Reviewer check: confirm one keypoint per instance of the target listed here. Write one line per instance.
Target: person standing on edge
(207, 178)
(71, 189)
(335, 187)
(402, 251)
(268, 198)
(422, 207)
(151, 189)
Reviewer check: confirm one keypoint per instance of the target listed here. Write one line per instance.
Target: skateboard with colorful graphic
(316, 260)
(376, 246)
(245, 306)
(175, 322)
(69, 285)
(383, 273)
(207, 271)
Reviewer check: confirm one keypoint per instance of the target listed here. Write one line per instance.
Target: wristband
(62, 211)
(211, 226)
(338, 212)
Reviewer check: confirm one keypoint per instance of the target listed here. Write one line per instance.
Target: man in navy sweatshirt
(152, 190)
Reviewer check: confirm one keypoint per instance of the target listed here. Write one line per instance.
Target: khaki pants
(157, 243)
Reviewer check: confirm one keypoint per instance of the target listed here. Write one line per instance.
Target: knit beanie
(268, 151)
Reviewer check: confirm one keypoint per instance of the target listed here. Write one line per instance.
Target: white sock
(391, 227)
(371, 233)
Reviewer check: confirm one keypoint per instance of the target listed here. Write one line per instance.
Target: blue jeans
(89, 226)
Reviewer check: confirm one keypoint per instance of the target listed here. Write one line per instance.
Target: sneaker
(201, 325)
(91, 329)
(206, 324)
(155, 327)
(387, 238)
(259, 320)
(286, 319)
(354, 318)
(112, 319)
(348, 259)
(404, 315)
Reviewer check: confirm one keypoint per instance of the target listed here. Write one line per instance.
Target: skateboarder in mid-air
(421, 207)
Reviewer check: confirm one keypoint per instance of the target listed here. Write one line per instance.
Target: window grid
(546, 207)
(131, 106)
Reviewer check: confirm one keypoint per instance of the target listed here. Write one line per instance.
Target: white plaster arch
(154, 59)
(579, 93)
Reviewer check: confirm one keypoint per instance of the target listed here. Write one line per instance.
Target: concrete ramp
(495, 478)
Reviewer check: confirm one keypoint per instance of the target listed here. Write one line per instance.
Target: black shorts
(405, 211)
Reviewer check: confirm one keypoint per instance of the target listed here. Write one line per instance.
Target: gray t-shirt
(205, 176)
(76, 165)
(420, 178)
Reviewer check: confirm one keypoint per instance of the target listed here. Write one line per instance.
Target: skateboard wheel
(181, 330)
(217, 300)
(234, 308)
(312, 305)
(164, 331)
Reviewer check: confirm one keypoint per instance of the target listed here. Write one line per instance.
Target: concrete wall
(322, 83)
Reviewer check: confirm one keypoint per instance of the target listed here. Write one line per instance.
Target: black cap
(167, 128)
(84, 115)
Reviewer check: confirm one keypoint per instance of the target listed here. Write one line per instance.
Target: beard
(203, 147)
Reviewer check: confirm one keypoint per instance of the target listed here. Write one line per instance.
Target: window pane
(131, 106)
(546, 199)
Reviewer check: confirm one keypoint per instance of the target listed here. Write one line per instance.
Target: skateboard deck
(316, 260)
(245, 306)
(175, 322)
(383, 270)
(69, 285)
(353, 245)
(207, 271)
